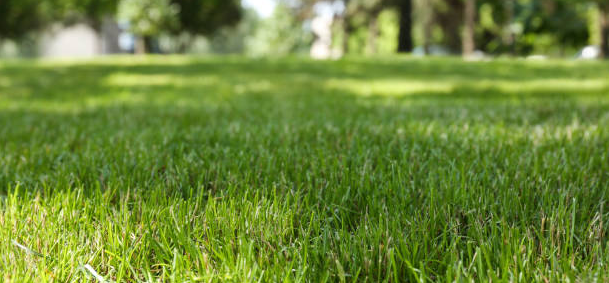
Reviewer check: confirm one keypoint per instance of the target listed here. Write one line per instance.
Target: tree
(404, 8)
(347, 28)
(373, 9)
(364, 13)
(148, 18)
(92, 12)
(509, 35)
(20, 17)
(203, 17)
(550, 24)
(304, 9)
(281, 34)
(603, 25)
(448, 14)
(469, 25)
(604, 29)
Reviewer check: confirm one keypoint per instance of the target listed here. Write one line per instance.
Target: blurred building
(81, 40)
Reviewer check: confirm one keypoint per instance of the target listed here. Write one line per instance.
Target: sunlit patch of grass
(404, 86)
(556, 86)
(229, 169)
(132, 80)
(388, 87)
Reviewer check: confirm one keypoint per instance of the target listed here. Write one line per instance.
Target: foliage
(185, 19)
(204, 17)
(518, 27)
(20, 17)
(148, 17)
(236, 39)
(281, 34)
(91, 11)
(390, 169)
(560, 20)
(387, 38)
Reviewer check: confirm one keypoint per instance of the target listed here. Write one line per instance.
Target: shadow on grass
(64, 116)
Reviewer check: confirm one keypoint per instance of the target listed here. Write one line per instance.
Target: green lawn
(229, 169)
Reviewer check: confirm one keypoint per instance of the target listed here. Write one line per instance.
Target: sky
(264, 8)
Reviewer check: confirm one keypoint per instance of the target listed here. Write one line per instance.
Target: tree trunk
(186, 41)
(405, 33)
(604, 30)
(427, 27)
(346, 34)
(144, 44)
(140, 45)
(510, 37)
(346, 25)
(450, 20)
(373, 31)
(469, 19)
(150, 47)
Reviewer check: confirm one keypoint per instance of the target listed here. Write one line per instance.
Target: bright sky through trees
(264, 8)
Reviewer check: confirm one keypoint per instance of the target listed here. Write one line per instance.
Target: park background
(476, 28)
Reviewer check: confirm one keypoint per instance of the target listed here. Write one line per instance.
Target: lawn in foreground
(228, 169)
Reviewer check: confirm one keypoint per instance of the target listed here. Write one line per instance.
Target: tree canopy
(205, 17)
(493, 26)
(19, 17)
